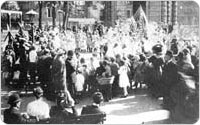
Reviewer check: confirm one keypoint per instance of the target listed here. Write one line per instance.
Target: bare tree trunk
(40, 3)
(53, 15)
(65, 14)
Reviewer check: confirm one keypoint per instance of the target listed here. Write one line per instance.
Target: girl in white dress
(123, 78)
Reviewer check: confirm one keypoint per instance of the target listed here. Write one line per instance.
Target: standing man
(169, 78)
(70, 69)
(44, 69)
(59, 72)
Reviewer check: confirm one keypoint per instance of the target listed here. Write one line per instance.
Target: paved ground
(137, 108)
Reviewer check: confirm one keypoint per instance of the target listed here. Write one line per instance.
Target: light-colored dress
(123, 77)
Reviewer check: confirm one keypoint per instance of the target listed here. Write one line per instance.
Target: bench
(82, 119)
(88, 119)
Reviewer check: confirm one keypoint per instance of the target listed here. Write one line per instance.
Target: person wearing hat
(59, 72)
(60, 113)
(44, 69)
(94, 108)
(32, 63)
(70, 69)
(38, 108)
(184, 63)
(169, 78)
(23, 61)
(12, 115)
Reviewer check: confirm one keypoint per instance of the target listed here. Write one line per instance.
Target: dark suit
(169, 76)
(69, 70)
(91, 109)
(169, 79)
(60, 116)
(13, 116)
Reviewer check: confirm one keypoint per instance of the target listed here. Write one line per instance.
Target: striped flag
(141, 19)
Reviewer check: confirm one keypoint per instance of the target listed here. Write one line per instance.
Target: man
(32, 63)
(169, 78)
(39, 108)
(23, 61)
(59, 113)
(106, 89)
(94, 108)
(114, 71)
(70, 69)
(44, 69)
(13, 115)
(59, 71)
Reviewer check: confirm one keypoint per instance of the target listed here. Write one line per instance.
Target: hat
(97, 97)
(70, 53)
(46, 51)
(14, 98)
(157, 48)
(142, 57)
(169, 53)
(186, 51)
(38, 91)
(22, 40)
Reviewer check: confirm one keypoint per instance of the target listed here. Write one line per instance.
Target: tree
(10, 5)
(40, 3)
(67, 8)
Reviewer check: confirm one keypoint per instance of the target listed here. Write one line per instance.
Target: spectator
(114, 71)
(39, 108)
(58, 113)
(70, 69)
(44, 69)
(169, 79)
(32, 63)
(59, 72)
(12, 115)
(123, 78)
(94, 108)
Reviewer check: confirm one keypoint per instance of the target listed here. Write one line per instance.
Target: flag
(141, 19)
(8, 27)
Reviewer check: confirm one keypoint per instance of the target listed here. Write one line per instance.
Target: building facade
(168, 12)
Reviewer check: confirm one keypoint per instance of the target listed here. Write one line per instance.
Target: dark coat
(44, 68)
(169, 76)
(70, 69)
(91, 109)
(13, 116)
(59, 73)
(59, 115)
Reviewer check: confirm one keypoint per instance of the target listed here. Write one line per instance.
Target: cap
(169, 53)
(97, 97)
(157, 48)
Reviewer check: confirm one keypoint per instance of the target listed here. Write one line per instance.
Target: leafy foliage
(10, 5)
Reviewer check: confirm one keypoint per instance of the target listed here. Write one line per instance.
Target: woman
(123, 78)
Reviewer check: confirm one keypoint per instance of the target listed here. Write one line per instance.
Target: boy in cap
(12, 115)
(94, 108)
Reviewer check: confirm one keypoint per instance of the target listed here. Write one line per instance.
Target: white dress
(123, 77)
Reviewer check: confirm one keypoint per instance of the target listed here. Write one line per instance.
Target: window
(128, 13)
(49, 12)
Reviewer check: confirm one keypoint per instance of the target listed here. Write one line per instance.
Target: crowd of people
(120, 58)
